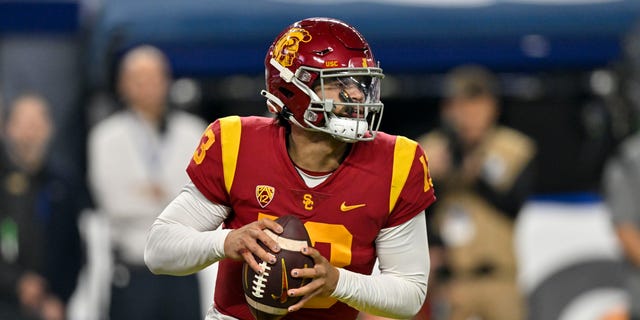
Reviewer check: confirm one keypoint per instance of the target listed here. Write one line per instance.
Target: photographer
(484, 171)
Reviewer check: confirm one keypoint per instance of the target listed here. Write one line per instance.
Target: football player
(361, 193)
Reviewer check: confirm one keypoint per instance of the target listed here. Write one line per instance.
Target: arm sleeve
(401, 287)
(186, 238)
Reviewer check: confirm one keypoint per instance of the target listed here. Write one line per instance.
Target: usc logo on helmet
(286, 48)
(331, 64)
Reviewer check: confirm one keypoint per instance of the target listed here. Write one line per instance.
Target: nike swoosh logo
(344, 207)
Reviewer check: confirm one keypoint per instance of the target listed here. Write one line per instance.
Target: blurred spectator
(40, 251)
(621, 184)
(136, 163)
(484, 171)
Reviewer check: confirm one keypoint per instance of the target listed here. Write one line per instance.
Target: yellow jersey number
(428, 183)
(208, 138)
(339, 238)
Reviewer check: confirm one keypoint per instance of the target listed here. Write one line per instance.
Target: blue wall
(222, 37)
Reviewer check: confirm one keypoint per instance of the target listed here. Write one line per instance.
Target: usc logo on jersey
(286, 48)
(307, 202)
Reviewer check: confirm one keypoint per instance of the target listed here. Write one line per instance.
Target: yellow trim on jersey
(403, 154)
(230, 130)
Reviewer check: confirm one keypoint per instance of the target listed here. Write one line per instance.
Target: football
(266, 293)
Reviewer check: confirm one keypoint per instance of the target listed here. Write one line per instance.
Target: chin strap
(274, 104)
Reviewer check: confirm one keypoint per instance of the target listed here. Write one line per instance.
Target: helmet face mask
(319, 71)
(349, 101)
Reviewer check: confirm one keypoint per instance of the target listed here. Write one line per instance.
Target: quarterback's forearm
(178, 250)
(400, 289)
(184, 238)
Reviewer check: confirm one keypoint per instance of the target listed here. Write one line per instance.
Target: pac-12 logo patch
(264, 194)
(286, 48)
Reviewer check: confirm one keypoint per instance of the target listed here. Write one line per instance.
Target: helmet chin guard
(348, 130)
(322, 70)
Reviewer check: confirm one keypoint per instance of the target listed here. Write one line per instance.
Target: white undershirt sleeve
(185, 238)
(401, 287)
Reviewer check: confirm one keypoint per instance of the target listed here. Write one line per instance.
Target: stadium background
(567, 68)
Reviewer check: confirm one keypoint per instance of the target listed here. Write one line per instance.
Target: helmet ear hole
(286, 92)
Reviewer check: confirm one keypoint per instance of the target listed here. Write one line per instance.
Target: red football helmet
(313, 55)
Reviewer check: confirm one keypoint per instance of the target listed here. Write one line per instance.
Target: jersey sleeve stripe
(403, 155)
(230, 130)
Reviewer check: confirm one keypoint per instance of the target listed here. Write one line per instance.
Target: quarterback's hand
(242, 243)
(324, 279)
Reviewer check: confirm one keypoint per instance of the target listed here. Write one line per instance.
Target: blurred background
(568, 70)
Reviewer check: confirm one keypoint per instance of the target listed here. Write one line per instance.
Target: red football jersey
(243, 163)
